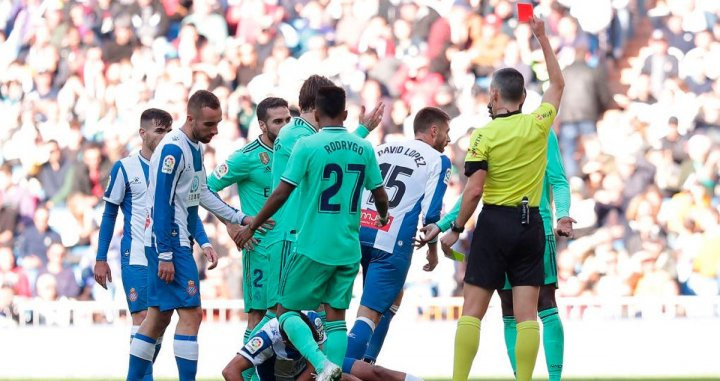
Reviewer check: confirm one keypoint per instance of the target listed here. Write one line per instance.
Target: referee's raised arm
(505, 166)
(553, 94)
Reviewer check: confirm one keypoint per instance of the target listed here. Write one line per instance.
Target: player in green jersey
(555, 189)
(251, 169)
(330, 170)
(279, 241)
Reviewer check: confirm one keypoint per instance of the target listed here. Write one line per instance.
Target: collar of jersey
(334, 128)
(192, 143)
(142, 159)
(307, 124)
(263, 144)
(507, 114)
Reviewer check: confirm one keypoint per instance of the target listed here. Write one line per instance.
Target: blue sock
(359, 337)
(158, 345)
(142, 349)
(348, 364)
(378, 337)
(186, 356)
(149, 373)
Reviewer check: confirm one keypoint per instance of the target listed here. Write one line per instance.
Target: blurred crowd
(638, 127)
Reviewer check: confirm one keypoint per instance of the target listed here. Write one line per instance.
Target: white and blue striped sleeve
(435, 189)
(163, 207)
(115, 191)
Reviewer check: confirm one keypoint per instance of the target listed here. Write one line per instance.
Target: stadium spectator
(12, 276)
(33, 243)
(66, 284)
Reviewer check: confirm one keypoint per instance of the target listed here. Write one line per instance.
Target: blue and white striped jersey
(177, 186)
(415, 177)
(127, 188)
(268, 342)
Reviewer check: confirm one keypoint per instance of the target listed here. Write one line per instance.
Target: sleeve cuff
(362, 130)
(285, 179)
(206, 245)
(444, 225)
(165, 257)
(238, 217)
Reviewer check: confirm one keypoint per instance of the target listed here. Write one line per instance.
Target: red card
(524, 11)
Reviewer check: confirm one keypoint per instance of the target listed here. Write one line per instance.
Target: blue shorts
(384, 276)
(183, 291)
(135, 281)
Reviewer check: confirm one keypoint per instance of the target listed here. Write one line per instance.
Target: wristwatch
(456, 229)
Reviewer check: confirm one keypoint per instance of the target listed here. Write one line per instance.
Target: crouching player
(271, 343)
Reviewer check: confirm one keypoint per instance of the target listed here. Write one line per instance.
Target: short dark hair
(155, 116)
(428, 116)
(201, 99)
(309, 91)
(330, 101)
(268, 103)
(510, 83)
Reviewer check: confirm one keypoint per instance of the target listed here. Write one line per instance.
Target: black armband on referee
(473, 166)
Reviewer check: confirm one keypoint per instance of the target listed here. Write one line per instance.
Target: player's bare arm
(381, 203)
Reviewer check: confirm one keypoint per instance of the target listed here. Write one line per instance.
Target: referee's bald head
(509, 83)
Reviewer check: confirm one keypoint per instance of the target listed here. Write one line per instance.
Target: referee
(505, 165)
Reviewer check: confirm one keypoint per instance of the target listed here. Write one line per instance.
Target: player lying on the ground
(271, 343)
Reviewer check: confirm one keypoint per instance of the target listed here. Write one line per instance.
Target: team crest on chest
(264, 158)
(191, 289)
(195, 184)
(132, 295)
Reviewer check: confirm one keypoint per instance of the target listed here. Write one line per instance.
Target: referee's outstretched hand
(565, 227)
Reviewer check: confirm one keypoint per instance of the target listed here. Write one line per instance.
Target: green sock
(526, 348)
(467, 340)
(301, 337)
(248, 373)
(510, 338)
(553, 342)
(336, 345)
(269, 315)
(323, 317)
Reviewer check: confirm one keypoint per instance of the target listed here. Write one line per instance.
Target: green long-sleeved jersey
(555, 186)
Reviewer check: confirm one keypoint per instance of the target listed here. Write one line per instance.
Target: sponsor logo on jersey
(254, 345)
(195, 184)
(191, 289)
(264, 158)
(168, 164)
(221, 170)
(147, 220)
(370, 218)
(132, 295)
(446, 180)
(135, 181)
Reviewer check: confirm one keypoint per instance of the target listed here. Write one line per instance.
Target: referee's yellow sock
(467, 339)
(526, 348)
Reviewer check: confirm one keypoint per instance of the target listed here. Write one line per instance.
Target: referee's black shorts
(502, 245)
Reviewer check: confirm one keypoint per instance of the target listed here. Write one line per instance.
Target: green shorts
(278, 254)
(549, 263)
(255, 282)
(306, 284)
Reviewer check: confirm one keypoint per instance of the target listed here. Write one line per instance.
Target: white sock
(133, 331)
(410, 377)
